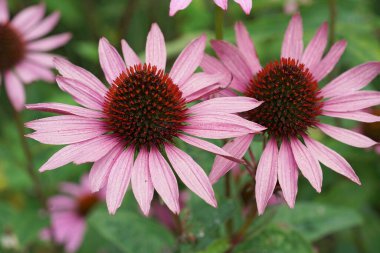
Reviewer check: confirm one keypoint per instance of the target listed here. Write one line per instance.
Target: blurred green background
(344, 218)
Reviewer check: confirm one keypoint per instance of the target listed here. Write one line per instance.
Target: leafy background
(344, 218)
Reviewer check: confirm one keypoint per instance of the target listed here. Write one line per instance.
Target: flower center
(86, 203)
(291, 98)
(12, 47)
(144, 107)
(372, 130)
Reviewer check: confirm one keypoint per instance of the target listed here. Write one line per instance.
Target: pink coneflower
(143, 112)
(176, 5)
(23, 57)
(68, 213)
(292, 105)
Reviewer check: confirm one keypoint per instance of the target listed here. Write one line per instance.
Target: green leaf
(275, 239)
(131, 232)
(314, 220)
(218, 246)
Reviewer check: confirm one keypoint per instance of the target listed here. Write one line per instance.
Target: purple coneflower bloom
(143, 112)
(23, 57)
(176, 5)
(292, 105)
(68, 213)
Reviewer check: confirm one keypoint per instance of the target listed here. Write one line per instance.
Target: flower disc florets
(12, 47)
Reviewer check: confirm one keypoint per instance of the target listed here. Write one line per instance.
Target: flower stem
(29, 158)
(332, 10)
(219, 22)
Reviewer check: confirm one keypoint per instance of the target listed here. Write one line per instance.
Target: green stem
(219, 23)
(333, 11)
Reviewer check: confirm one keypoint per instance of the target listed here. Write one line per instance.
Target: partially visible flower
(176, 5)
(23, 57)
(293, 103)
(372, 130)
(292, 6)
(68, 212)
(143, 112)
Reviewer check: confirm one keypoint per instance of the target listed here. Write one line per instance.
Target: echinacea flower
(68, 212)
(23, 57)
(293, 104)
(176, 5)
(144, 111)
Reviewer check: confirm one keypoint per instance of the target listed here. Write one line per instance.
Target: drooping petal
(329, 61)
(188, 61)
(15, 90)
(155, 48)
(69, 70)
(246, 46)
(225, 105)
(246, 5)
(49, 43)
(331, 159)
(118, 179)
(287, 173)
(266, 175)
(191, 174)
(352, 80)
(28, 17)
(176, 5)
(65, 109)
(233, 59)
(164, 180)
(75, 237)
(110, 61)
(355, 101)
(198, 82)
(222, 4)
(314, 51)
(4, 11)
(307, 163)
(292, 46)
(204, 92)
(130, 57)
(43, 27)
(355, 115)
(142, 182)
(236, 147)
(347, 136)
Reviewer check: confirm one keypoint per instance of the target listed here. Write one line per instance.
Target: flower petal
(355, 101)
(164, 180)
(266, 175)
(314, 51)
(307, 163)
(292, 46)
(246, 5)
(29, 71)
(346, 136)
(222, 4)
(354, 115)
(65, 109)
(176, 5)
(191, 174)
(211, 65)
(43, 27)
(156, 48)
(15, 90)
(28, 17)
(49, 43)
(130, 57)
(199, 82)
(4, 11)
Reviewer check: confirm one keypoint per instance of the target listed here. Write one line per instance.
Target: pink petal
(266, 175)
(82, 152)
(355, 115)
(61, 203)
(72, 189)
(314, 51)
(220, 126)
(43, 59)
(82, 93)
(164, 180)
(246, 5)
(236, 147)
(101, 169)
(67, 69)
(225, 105)
(222, 4)
(329, 61)
(191, 174)
(176, 5)
(28, 17)
(205, 145)
(142, 182)
(352, 80)
(43, 27)
(155, 48)
(204, 93)
(110, 61)
(49, 43)
(130, 57)
(65, 110)
(331, 159)
(188, 61)
(75, 237)
(292, 46)
(346, 136)
(4, 12)
(233, 59)
(211, 65)
(307, 163)
(119, 178)
(29, 71)
(199, 82)
(246, 47)
(355, 101)
(15, 90)
(287, 173)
